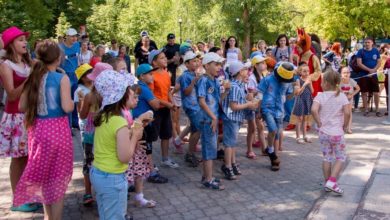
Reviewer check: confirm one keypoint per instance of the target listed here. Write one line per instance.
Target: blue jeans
(111, 194)
(208, 140)
(274, 124)
(230, 133)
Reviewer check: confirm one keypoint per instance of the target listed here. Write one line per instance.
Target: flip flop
(25, 208)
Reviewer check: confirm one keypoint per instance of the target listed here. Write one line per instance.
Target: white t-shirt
(331, 112)
(85, 57)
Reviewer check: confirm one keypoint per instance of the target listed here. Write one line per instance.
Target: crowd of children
(121, 116)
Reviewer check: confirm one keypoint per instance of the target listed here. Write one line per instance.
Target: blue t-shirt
(369, 58)
(143, 100)
(189, 102)
(236, 94)
(274, 95)
(70, 63)
(208, 88)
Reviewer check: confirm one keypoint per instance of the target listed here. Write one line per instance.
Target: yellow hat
(258, 59)
(81, 70)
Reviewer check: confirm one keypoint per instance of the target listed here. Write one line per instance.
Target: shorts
(150, 135)
(176, 100)
(230, 133)
(368, 84)
(208, 139)
(250, 115)
(332, 147)
(194, 118)
(163, 123)
(273, 124)
(88, 158)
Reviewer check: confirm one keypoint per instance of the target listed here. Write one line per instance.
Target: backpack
(353, 63)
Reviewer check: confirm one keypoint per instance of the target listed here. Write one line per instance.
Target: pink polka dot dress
(50, 160)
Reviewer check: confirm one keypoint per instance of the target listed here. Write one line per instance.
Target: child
(90, 106)
(350, 88)
(259, 67)
(208, 93)
(273, 90)
(114, 144)
(14, 70)
(331, 112)
(120, 66)
(303, 101)
(190, 103)
(233, 107)
(160, 87)
(148, 102)
(46, 99)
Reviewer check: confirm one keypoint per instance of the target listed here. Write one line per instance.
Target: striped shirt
(236, 94)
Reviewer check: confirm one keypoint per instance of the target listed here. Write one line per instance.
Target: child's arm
(248, 105)
(347, 116)
(314, 111)
(84, 109)
(191, 86)
(355, 91)
(205, 107)
(226, 85)
(176, 88)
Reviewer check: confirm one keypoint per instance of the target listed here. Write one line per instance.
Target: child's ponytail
(333, 79)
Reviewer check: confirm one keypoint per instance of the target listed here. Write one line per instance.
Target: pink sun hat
(99, 67)
(11, 34)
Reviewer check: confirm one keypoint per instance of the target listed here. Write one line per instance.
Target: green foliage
(62, 25)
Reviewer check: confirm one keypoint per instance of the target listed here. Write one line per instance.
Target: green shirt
(105, 148)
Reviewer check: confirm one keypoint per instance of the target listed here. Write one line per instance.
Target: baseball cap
(212, 57)
(144, 33)
(143, 69)
(152, 55)
(235, 67)
(189, 56)
(171, 36)
(71, 32)
(184, 47)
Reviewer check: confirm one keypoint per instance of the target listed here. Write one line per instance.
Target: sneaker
(229, 174)
(236, 169)
(170, 163)
(157, 178)
(178, 147)
(192, 160)
(290, 127)
(220, 154)
(87, 200)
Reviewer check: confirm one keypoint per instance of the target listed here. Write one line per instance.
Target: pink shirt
(331, 112)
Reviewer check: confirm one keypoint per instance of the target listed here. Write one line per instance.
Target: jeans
(111, 194)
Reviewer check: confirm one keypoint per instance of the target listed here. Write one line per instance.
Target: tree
(62, 25)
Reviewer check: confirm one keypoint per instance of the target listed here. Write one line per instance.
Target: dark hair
(113, 61)
(227, 46)
(113, 41)
(12, 56)
(84, 36)
(257, 75)
(214, 49)
(302, 63)
(268, 49)
(370, 38)
(80, 81)
(47, 53)
(280, 37)
(200, 42)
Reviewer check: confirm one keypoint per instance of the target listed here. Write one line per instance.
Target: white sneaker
(170, 163)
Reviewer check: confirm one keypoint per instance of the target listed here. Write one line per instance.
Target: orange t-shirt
(161, 84)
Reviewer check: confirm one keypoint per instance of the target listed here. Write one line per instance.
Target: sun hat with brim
(284, 72)
(153, 54)
(11, 34)
(82, 70)
(144, 69)
(190, 56)
(111, 86)
(99, 67)
(212, 57)
(258, 59)
(235, 67)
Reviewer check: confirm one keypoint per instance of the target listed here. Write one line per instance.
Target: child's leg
(251, 135)
(139, 185)
(340, 155)
(303, 125)
(228, 156)
(299, 126)
(183, 134)
(327, 153)
(260, 133)
(175, 122)
(208, 169)
(194, 139)
(88, 159)
(350, 119)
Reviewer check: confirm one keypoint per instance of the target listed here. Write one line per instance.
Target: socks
(177, 141)
(270, 150)
(140, 197)
(332, 179)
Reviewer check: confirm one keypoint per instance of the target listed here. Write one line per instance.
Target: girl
(331, 112)
(261, 47)
(123, 55)
(114, 144)
(350, 88)
(258, 62)
(98, 54)
(282, 51)
(90, 106)
(13, 136)
(46, 100)
(85, 54)
(303, 101)
(232, 52)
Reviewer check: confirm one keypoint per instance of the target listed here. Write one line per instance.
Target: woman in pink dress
(46, 101)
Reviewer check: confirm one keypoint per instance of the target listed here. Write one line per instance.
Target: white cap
(235, 67)
(189, 56)
(212, 57)
(71, 32)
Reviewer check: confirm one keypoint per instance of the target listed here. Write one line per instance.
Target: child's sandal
(213, 185)
(307, 140)
(333, 186)
(148, 204)
(300, 141)
(251, 155)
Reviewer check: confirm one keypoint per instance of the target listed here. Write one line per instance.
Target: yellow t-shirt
(105, 149)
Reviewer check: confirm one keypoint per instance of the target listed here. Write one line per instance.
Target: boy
(160, 87)
(208, 93)
(190, 103)
(233, 106)
(273, 90)
(147, 101)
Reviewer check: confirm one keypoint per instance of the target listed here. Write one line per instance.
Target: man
(368, 59)
(171, 50)
(71, 49)
(114, 48)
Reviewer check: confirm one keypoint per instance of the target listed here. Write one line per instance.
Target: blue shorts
(208, 139)
(194, 120)
(250, 115)
(273, 124)
(230, 133)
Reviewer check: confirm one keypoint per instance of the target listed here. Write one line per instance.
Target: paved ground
(258, 194)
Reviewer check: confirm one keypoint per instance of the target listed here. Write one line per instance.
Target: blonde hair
(333, 79)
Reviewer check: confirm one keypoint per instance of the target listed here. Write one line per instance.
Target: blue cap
(152, 55)
(255, 54)
(184, 48)
(143, 69)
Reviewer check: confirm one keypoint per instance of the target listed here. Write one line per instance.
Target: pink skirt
(50, 163)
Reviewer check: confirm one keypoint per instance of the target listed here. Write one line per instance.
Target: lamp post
(238, 22)
(180, 21)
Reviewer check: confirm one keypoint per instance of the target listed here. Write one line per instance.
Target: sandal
(366, 114)
(300, 141)
(87, 200)
(147, 204)
(332, 186)
(213, 185)
(349, 132)
(251, 155)
(378, 114)
(307, 140)
(28, 207)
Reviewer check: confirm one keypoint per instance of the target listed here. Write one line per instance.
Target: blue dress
(303, 101)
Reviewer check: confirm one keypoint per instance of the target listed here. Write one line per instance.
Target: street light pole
(238, 22)
(180, 21)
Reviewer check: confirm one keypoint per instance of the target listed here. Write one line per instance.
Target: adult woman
(143, 52)
(282, 51)
(333, 57)
(85, 54)
(232, 52)
(123, 55)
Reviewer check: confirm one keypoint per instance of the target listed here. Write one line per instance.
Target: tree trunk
(247, 32)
